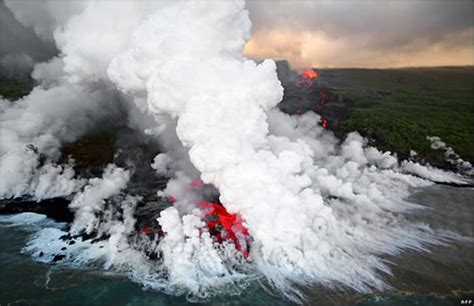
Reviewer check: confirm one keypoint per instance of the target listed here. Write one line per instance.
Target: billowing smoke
(317, 210)
(32, 130)
(450, 155)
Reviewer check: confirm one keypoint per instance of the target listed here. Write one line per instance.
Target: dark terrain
(394, 108)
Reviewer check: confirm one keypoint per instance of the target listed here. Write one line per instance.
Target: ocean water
(444, 276)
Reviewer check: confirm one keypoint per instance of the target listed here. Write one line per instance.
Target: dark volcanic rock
(136, 152)
(58, 257)
(91, 154)
(318, 97)
(56, 208)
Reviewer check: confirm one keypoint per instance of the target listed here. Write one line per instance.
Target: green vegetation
(398, 108)
(12, 89)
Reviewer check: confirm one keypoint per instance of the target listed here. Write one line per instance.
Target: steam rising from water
(318, 211)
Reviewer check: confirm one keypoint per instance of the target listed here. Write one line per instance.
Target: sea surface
(443, 276)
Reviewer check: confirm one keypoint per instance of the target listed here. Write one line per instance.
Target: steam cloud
(451, 156)
(318, 211)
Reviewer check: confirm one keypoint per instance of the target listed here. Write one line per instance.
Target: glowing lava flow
(324, 123)
(306, 78)
(310, 74)
(224, 226)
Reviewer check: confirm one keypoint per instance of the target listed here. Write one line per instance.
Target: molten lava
(224, 226)
(324, 123)
(310, 74)
(221, 224)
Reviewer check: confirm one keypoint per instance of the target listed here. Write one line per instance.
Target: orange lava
(324, 123)
(221, 224)
(226, 226)
(310, 74)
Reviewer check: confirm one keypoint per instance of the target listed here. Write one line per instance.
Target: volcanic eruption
(309, 74)
(253, 193)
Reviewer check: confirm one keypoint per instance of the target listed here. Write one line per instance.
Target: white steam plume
(314, 216)
(32, 130)
(45, 17)
(71, 97)
(89, 203)
(451, 156)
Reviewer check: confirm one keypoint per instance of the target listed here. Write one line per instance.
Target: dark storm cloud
(389, 23)
(328, 33)
(375, 26)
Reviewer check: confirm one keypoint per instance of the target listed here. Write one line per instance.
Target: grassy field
(398, 108)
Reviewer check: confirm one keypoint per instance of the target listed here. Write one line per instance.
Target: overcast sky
(334, 33)
(363, 33)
